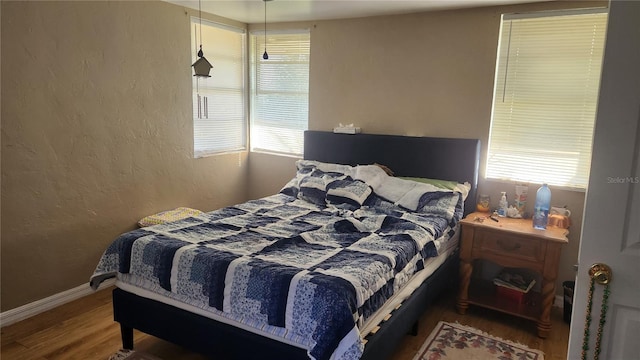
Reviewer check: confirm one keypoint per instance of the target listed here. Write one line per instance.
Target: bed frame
(448, 159)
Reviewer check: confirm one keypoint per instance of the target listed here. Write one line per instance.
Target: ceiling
(252, 11)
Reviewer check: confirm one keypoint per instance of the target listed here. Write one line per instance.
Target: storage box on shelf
(510, 294)
(514, 283)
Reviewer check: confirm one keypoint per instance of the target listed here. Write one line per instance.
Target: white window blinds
(546, 91)
(279, 91)
(219, 102)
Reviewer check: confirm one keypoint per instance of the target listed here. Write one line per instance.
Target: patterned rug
(455, 341)
(131, 355)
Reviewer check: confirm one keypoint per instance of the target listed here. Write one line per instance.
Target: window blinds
(545, 97)
(279, 91)
(219, 102)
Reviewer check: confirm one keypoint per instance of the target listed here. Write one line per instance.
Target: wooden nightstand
(510, 243)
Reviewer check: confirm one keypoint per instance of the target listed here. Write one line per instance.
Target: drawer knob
(509, 246)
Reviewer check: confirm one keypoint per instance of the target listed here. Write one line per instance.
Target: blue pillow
(352, 193)
(313, 187)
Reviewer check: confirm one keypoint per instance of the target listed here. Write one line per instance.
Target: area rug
(131, 355)
(455, 341)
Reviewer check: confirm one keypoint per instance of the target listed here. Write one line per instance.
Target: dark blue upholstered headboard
(436, 158)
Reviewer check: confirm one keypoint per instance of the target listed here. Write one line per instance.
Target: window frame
(502, 168)
(256, 44)
(240, 118)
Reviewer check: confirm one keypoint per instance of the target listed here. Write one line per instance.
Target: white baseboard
(26, 311)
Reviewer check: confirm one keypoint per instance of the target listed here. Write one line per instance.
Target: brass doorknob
(601, 273)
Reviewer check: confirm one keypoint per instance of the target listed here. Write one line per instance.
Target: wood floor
(84, 330)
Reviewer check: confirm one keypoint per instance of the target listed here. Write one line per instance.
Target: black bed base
(222, 342)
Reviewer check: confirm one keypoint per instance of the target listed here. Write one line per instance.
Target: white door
(611, 226)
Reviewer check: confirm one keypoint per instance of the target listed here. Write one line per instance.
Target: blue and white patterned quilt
(311, 263)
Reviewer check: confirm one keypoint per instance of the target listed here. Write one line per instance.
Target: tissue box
(346, 130)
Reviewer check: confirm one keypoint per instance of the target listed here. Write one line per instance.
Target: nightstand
(510, 243)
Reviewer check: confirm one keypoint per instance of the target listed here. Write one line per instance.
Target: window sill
(532, 185)
(210, 154)
(275, 153)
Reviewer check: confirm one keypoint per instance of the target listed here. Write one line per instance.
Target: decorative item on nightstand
(521, 198)
(484, 203)
(559, 217)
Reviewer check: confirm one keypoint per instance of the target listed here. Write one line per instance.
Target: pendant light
(202, 66)
(265, 55)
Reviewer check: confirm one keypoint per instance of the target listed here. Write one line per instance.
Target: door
(611, 225)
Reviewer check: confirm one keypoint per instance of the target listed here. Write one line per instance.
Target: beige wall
(426, 74)
(96, 133)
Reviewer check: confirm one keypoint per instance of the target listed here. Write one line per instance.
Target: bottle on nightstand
(503, 205)
(541, 209)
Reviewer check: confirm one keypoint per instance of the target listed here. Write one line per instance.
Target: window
(545, 97)
(219, 102)
(279, 92)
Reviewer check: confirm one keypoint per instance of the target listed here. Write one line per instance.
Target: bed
(337, 216)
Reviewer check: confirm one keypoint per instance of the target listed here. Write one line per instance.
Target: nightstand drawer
(509, 245)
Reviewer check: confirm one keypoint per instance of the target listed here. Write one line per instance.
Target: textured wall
(96, 133)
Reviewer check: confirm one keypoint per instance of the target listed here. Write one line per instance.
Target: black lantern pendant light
(202, 66)
(265, 55)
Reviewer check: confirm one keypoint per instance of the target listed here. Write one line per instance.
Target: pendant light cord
(200, 17)
(265, 56)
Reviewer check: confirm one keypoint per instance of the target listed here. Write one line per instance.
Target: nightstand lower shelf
(483, 293)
